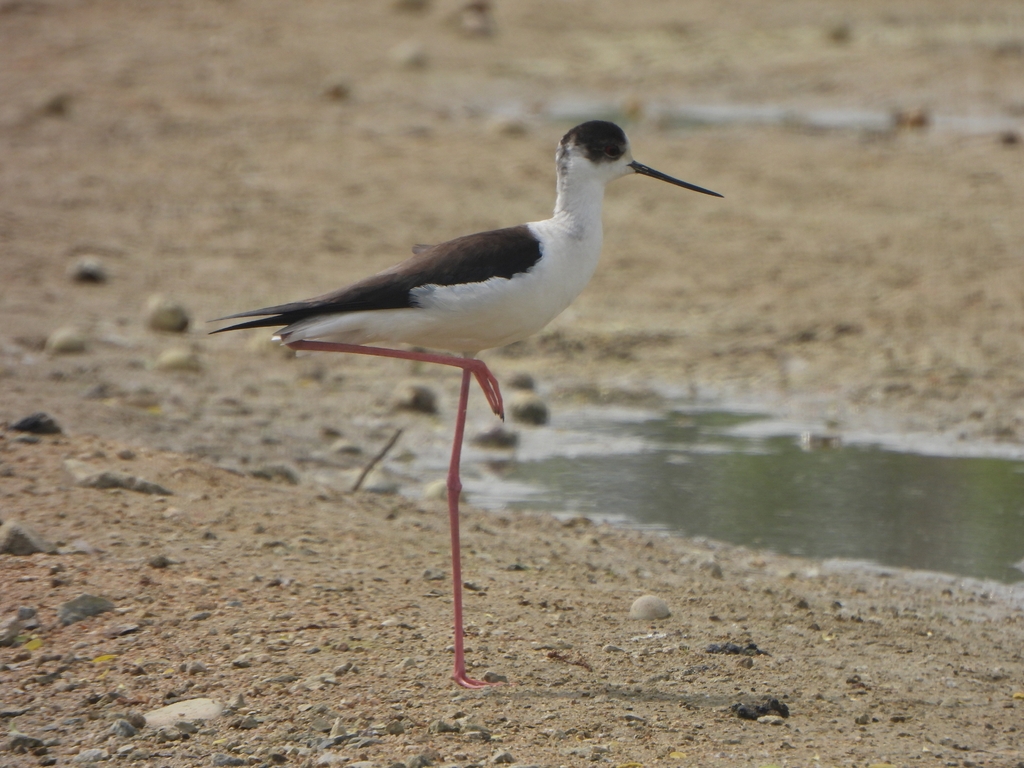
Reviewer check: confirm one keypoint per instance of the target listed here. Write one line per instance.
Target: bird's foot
(465, 681)
(490, 387)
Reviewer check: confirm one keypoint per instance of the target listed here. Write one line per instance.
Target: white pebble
(649, 607)
(178, 359)
(66, 341)
(164, 314)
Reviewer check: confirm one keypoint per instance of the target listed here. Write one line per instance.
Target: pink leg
(490, 387)
(454, 489)
(484, 377)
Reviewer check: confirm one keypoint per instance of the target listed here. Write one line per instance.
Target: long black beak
(643, 170)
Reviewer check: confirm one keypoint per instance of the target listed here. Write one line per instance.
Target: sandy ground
(236, 154)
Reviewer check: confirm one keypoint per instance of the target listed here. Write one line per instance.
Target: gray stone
(21, 743)
(219, 758)
(87, 476)
(123, 728)
(528, 408)
(502, 756)
(17, 539)
(9, 630)
(440, 726)
(90, 756)
(82, 607)
(419, 761)
(648, 608)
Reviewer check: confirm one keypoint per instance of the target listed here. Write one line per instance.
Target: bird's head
(599, 150)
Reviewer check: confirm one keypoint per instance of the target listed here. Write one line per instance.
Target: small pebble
(440, 726)
(476, 19)
(66, 341)
(165, 314)
(277, 473)
(648, 608)
(339, 90)
(528, 408)
(510, 126)
(178, 359)
(90, 756)
(502, 756)
(221, 759)
(17, 539)
(415, 397)
(82, 607)
(496, 437)
(409, 55)
(522, 380)
(123, 728)
(344, 446)
(437, 490)
(771, 720)
(433, 574)
(87, 269)
(381, 481)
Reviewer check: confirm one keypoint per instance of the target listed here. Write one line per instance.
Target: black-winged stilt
(473, 293)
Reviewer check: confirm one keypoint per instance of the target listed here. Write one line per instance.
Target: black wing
(469, 259)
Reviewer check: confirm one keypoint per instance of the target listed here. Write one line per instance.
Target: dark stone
(37, 424)
(750, 649)
(770, 706)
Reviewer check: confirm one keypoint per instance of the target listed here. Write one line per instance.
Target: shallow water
(744, 479)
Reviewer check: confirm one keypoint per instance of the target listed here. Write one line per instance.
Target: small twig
(373, 462)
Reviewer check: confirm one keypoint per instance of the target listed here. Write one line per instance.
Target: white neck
(578, 205)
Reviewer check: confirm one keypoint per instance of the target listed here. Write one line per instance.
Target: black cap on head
(599, 139)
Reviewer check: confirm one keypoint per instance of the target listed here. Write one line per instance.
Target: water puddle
(691, 115)
(748, 479)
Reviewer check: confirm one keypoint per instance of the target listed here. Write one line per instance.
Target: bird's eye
(612, 150)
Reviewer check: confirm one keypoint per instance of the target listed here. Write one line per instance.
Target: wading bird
(473, 293)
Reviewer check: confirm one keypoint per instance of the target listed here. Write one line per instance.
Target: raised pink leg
(484, 377)
(490, 387)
